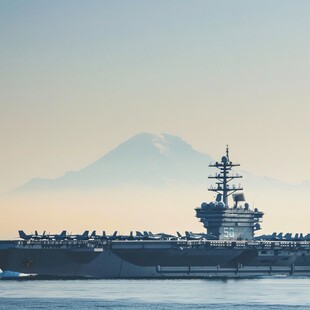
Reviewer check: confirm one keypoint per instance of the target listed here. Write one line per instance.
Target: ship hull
(157, 260)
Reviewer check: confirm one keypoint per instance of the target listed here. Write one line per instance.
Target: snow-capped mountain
(144, 159)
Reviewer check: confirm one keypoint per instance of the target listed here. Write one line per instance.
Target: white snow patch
(160, 142)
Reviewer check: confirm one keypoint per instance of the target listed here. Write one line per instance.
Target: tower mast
(223, 178)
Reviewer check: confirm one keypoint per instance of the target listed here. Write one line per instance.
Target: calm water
(264, 293)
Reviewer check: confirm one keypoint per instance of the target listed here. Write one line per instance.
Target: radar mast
(223, 189)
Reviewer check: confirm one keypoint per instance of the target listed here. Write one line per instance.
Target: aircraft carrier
(228, 248)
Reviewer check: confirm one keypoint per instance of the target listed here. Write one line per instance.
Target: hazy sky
(79, 77)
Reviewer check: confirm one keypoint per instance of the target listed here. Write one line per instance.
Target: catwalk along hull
(158, 259)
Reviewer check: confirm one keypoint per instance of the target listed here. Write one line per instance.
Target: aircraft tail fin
(22, 234)
(287, 236)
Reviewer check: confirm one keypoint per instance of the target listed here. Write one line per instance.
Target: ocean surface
(261, 293)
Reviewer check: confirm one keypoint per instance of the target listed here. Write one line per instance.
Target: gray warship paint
(234, 253)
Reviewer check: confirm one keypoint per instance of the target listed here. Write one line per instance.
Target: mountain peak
(147, 159)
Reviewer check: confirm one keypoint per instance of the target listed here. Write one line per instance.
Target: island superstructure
(236, 222)
(228, 248)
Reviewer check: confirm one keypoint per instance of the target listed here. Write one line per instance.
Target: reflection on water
(273, 293)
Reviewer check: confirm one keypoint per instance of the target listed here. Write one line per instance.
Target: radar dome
(224, 159)
(204, 205)
(221, 204)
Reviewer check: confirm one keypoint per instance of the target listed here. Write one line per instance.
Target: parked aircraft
(126, 237)
(164, 236)
(37, 236)
(84, 236)
(61, 236)
(306, 237)
(24, 236)
(140, 236)
(271, 237)
(288, 236)
(279, 236)
(180, 237)
(104, 236)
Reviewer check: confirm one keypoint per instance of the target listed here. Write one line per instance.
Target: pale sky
(77, 78)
